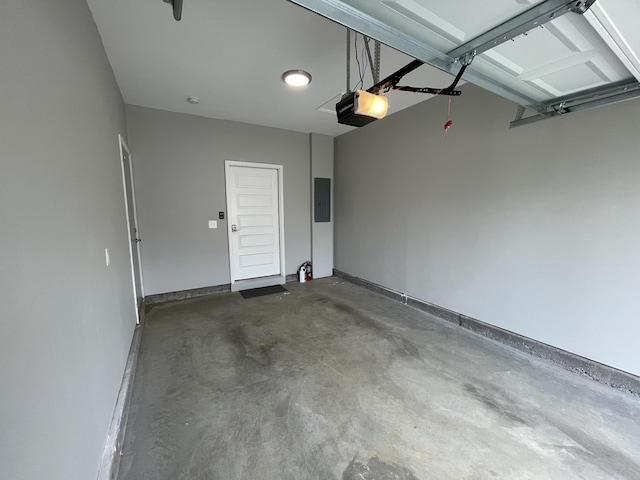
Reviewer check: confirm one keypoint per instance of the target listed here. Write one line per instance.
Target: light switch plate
(213, 224)
(107, 257)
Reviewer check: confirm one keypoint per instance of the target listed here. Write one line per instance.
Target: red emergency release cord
(449, 122)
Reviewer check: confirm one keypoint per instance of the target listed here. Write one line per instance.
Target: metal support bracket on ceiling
(538, 15)
(375, 60)
(176, 5)
(585, 100)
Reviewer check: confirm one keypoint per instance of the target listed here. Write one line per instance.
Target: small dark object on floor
(259, 292)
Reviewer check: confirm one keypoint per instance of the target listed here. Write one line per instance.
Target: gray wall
(178, 163)
(321, 232)
(534, 229)
(66, 320)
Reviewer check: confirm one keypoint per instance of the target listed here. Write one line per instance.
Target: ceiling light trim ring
(296, 78)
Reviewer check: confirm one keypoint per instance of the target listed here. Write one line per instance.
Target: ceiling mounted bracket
(177, 8)
(560, 109)
(374, 60)
(586, 100)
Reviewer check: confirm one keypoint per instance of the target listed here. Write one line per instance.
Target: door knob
(234, 228)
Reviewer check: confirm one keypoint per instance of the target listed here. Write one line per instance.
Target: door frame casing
(237, 285)
(123, 146)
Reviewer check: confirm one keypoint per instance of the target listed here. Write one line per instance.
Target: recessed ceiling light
(193, 100)
(296, 78)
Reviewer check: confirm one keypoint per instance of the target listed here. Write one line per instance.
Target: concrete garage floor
(332, 381)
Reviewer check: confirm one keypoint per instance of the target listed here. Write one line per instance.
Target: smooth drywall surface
(321, 232)
(534, 229)
(178, 163)
(66, 319)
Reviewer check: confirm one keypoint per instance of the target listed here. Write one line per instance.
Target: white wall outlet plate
(213, 224)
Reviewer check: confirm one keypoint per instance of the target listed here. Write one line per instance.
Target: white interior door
(254, 222)
(132, 224)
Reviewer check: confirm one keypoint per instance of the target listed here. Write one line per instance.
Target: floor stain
(358, 317)
(245, 348)
(494, 405)
(409, 349)
(376, 469)
(613, 461)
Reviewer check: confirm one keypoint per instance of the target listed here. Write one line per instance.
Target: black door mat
(259, 292)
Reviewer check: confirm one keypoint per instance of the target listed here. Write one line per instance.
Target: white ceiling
(232, 53)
